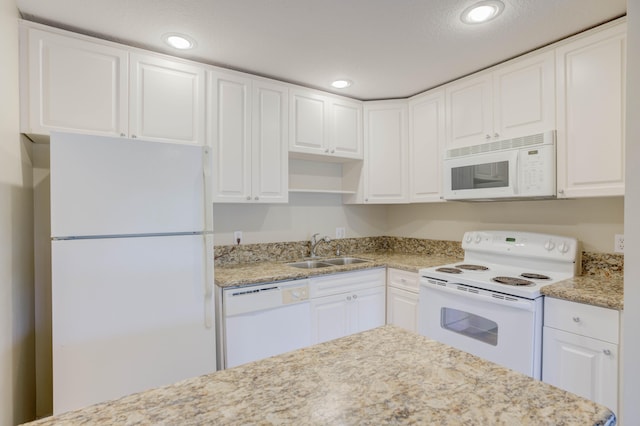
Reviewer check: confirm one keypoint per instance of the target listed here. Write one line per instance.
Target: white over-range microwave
(518, 168)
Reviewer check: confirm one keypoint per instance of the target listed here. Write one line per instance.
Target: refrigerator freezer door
(128, 315)
(116, 186)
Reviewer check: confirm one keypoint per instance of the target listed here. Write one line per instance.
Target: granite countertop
(382, 376)
(599, 290)
(262, 272)
(604, 291)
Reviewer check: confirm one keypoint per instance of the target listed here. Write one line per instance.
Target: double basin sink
(324, 263)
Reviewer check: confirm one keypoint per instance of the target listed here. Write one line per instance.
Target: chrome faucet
(315, 241)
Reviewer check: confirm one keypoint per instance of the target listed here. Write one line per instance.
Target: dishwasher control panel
(295, 294)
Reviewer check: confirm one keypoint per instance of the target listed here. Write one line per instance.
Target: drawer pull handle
(576, 319)
(607, 352)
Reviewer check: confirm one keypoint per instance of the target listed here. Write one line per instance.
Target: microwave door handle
(517, 172)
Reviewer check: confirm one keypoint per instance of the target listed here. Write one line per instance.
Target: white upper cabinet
(248, 133)
(386, 172)
(73, 85)
(324, 125)
(591, 114)
(167, 100)
(511, 100)
(79, 84)
(426, 146)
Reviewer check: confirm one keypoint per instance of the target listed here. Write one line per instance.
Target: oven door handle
(486, 296)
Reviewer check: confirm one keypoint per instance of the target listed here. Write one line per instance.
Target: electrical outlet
(618, 245)
(340, 233)
(237, 237)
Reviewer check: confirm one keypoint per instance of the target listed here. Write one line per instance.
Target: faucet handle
(313, 237)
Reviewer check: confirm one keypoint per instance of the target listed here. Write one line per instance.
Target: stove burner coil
(534, 276)
(449, 270)
(469, 267)
(512, 281)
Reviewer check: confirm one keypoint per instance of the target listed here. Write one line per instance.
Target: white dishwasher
(265, 320)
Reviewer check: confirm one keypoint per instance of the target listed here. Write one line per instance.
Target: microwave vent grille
(520, 142)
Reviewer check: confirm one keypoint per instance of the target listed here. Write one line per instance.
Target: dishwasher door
(266, 320)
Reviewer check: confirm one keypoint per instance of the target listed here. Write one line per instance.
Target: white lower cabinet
(581, 351)
(402, 299)
(344, 304)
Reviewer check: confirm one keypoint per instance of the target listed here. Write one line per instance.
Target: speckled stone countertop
(601, 286)
(606, 292)
(261, 272)
(382, 376)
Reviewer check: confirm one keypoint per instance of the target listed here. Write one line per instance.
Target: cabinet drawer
(346, 282)
(403, 279)
(586, 320)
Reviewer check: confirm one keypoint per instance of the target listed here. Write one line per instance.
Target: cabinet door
(230, 136)
(75, 86)
(367, 309)
(591, 114)
(345, 129)
(269, 149)
(402, 308)
(524, 97)
(308, 127)
(167, 100)
(426, 147)
(469, 116)
(330, 317)
(582, 365)
(386, 172)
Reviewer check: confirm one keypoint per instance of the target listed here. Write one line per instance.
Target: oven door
(503, 329)
(481, 176)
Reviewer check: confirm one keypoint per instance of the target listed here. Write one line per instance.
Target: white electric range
(490, 304)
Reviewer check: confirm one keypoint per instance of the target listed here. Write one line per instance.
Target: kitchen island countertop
(382, 376)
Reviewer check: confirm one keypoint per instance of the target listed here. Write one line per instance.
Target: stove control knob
(478, 239)
(469, 237)
(563, 247)
(549, 245)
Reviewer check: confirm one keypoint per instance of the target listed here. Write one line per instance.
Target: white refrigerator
(132, 266)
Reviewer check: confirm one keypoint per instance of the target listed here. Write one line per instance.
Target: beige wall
(305, 215)
(593, 221)
(17, 378)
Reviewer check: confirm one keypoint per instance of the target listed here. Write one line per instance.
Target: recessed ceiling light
(341, 84)
(179, 41)
(482, 12)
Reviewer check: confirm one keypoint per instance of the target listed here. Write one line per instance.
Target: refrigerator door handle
(209, 281)
(208, 237)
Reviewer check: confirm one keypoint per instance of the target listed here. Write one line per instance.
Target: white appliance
(490, 304)
(132, 267)
(265, 320)
(516, 168)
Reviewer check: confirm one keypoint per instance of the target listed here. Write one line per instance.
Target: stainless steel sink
(345, 260)
(310, 264)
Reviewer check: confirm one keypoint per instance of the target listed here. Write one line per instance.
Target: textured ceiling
(388, 48)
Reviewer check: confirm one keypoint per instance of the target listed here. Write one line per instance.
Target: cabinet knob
(366, 200)
(607, 352)
(333, 150)
(348, 297)
(248, 197)
(122, 135)
(133, 136)
(576, 319)
(561, 191)
(326, 150)
(487, 136)
(355, 296)
(496, 135)
(256, 198)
